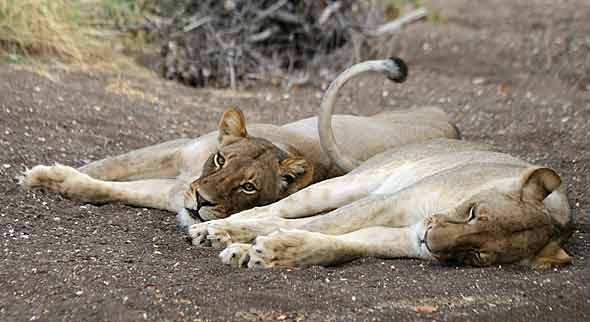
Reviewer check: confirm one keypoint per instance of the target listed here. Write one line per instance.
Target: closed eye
(471, 213)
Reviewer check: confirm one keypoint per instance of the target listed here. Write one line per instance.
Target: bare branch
(397, 24)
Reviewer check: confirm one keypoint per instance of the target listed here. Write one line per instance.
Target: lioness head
(498, 226)
(243, 173)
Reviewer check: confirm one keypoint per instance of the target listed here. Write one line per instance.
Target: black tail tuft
(403, 70)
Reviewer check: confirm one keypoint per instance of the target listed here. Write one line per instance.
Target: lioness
(237, 168)
(447, 200)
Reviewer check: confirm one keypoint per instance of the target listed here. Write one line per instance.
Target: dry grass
(50, 37)
(78, 31)
(46, 28)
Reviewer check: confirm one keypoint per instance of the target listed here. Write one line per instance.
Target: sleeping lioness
(240, 167)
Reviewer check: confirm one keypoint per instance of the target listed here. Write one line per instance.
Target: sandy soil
(511, 73)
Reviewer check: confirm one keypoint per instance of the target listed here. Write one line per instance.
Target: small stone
(426, 308)
(6, 166)
(478, 81)
(79, 293)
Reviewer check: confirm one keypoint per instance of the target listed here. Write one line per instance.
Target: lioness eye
(219, 160)
(471, 213)
(248, 188)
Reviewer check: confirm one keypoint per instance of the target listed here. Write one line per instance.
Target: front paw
(44, 176)
(291, 248)
(198, 234)
(211, 234)
(275, 249)
(221, 233)
(235, 255)
(218, 237)
(59, 178)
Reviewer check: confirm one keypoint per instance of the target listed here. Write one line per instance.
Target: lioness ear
(538, 183)
(232, 124)
(297, 173)
(552, 254)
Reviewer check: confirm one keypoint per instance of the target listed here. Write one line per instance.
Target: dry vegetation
(202, 42)
(210, 42)
(77, 31)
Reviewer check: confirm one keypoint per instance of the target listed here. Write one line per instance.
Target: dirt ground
(512, 73)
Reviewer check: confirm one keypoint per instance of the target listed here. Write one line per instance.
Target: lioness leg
(322, 196)
(298, 247)
(153, 193)
(373, 210)
(157, 161)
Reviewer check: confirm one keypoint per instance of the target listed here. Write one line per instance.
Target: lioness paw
(218, 237)
(235, 255)
(55, 178)
(35, 177)
(290, 247)
(198, 234)
(274, 249)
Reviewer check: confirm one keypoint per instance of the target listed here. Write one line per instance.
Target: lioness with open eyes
(239, 166)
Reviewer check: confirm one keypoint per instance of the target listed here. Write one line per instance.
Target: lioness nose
(438, 240)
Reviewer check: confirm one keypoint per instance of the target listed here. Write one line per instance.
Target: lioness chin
(240, 167)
